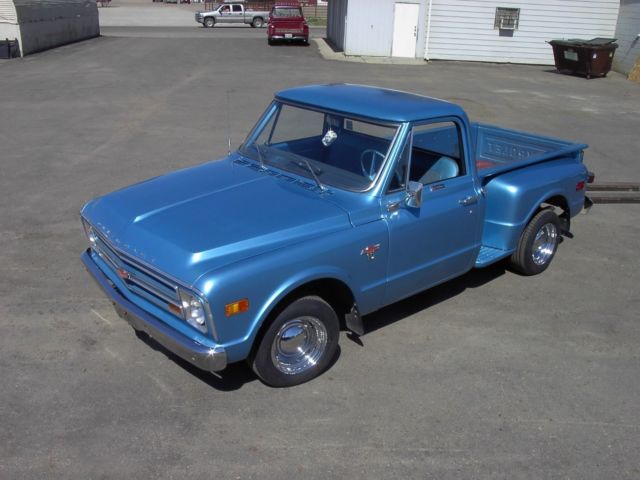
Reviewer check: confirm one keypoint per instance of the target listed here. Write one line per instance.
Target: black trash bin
(584, 57)
(9, 48)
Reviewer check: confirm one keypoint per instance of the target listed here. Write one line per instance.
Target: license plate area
(288, 35)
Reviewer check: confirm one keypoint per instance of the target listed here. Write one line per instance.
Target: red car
(287, 23)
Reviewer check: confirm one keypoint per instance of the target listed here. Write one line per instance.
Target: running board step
(489, 255)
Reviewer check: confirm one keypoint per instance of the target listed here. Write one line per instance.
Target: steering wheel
(374, 158)
(372, 155)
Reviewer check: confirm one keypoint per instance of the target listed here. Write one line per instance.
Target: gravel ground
(492, 375)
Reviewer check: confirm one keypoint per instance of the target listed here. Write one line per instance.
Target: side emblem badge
(370, 251)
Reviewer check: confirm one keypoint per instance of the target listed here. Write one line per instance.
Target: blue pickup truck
(341, 200)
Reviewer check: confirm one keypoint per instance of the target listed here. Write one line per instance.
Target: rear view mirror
(414, 194)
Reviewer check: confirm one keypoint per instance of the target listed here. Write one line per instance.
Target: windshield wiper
(262, 165)
(305, 164)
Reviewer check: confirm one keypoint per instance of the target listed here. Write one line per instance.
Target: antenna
(228, 126)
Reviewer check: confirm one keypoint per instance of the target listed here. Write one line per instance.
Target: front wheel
(209, 22)
(538, 244)
(298, 345)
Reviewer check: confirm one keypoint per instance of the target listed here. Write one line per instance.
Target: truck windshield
(333, 149)
(286, 12)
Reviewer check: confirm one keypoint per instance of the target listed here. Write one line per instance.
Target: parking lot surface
(492, 375)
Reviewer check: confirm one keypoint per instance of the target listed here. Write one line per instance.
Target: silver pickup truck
(232, 13)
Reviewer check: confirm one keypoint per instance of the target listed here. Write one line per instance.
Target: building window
(506, 18)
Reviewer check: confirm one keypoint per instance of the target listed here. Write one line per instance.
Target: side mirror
(414, 194)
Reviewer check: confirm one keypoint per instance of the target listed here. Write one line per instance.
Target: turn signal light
(175, 309)
(238, 306)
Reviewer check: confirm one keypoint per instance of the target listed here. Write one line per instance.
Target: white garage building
(41, 24)
(481, 30)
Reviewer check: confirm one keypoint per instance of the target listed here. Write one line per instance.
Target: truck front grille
(138, 278)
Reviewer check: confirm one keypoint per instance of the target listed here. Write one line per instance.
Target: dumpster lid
(577, 42)
(601, 41)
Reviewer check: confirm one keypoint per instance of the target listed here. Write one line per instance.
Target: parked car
(287, 23)
(341, 200)
(232, 13)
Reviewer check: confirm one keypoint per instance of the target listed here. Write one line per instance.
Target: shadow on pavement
(231, 378)
(433, 296)
(237, 374)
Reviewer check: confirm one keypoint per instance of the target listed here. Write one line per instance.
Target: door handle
(393, 207)
(470, 200)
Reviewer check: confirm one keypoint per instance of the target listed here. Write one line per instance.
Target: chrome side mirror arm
(414, 194)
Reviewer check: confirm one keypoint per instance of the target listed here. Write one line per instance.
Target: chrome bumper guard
(204, 357)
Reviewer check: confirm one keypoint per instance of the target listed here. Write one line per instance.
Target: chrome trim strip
(133, 278)
(211, 359)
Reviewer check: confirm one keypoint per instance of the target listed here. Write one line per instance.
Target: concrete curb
(329, 54)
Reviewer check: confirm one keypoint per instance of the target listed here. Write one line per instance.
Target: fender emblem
(370, 251)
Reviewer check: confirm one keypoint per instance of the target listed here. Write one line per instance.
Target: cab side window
(436, 153)
(237, 8)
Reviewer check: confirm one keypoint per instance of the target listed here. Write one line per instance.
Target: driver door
(439, 239)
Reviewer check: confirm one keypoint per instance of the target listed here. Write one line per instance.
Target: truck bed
(500, 150)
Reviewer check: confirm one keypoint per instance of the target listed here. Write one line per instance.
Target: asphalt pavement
(492, 375)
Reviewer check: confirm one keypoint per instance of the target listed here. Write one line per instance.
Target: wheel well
(560, 202)
(335, 292)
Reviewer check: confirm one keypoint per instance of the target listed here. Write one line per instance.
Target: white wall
(336, 14)
(369, 28)
(463, 29)
(627, 32)
(46, 24)
(9, 21)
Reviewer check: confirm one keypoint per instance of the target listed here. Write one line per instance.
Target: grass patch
(317, 21)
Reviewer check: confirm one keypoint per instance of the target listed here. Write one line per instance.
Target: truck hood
(196, 220)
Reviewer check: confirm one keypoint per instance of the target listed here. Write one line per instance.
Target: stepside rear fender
(513, 197)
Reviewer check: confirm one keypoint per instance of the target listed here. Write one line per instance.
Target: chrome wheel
(544, 244)
(299, 345)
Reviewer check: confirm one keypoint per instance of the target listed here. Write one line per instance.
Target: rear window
(284, 12)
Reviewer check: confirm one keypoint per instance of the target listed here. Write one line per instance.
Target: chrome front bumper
(211, 359)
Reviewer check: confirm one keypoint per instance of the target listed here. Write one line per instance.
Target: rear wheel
(298, 345)
(209, 22)
(538, 244)
(257, 22)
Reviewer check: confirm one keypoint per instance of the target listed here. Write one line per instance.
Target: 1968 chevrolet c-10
(342, 199)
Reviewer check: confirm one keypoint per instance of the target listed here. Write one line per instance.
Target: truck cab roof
(370, 102)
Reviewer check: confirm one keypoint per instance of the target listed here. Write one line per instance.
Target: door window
(433, 154)
(436, 153)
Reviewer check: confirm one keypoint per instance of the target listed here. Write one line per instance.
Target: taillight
(579, 186)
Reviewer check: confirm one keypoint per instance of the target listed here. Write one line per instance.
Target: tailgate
(499, 150)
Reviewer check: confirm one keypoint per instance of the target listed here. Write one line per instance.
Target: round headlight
(193, 310)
